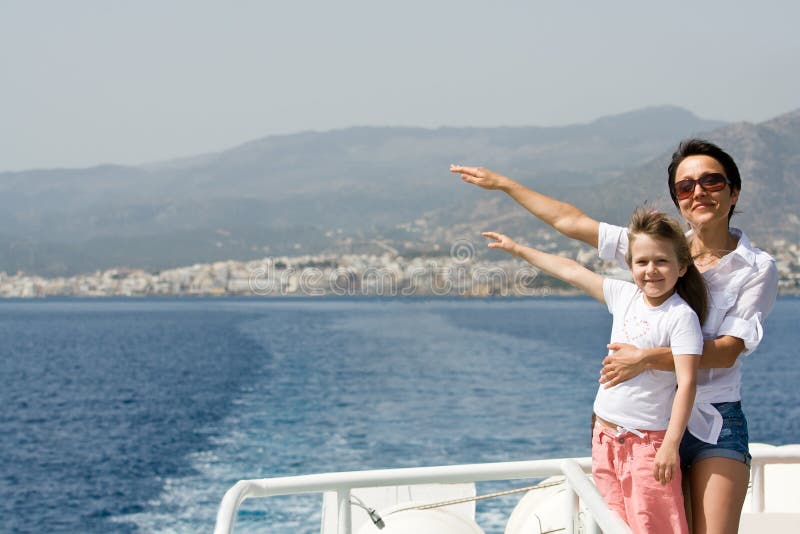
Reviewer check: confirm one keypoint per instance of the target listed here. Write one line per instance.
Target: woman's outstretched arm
(564, 217)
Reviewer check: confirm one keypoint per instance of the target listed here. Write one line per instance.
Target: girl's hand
(666, 463)
(502, 241)
(481, 177)
(626, 362)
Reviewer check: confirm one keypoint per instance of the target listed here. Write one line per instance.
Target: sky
(89, 82)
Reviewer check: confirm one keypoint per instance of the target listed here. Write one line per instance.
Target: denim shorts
(732, 442)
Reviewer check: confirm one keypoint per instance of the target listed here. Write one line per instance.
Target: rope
(478, 497)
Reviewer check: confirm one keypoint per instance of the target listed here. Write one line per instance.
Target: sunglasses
(709, 183)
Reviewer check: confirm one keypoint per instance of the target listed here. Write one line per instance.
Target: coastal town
(460, 273)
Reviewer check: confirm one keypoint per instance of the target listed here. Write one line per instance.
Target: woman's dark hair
(701, 147)
(691, 286)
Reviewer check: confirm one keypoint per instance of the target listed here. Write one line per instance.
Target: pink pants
(622, 468)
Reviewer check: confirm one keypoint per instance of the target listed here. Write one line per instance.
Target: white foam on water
(241, 442)
(190, 503)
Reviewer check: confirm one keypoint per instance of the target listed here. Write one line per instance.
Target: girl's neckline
(656, 306)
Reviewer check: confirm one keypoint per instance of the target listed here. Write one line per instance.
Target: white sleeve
(612, 243)
(686, 336)
(746, 317)
(615, 291)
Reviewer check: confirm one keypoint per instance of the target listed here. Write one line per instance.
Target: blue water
(137, 415)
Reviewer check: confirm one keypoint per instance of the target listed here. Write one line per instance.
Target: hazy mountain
(769, 161)
(767, 154)
(305, 192)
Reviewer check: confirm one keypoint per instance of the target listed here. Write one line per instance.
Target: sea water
(137, 415)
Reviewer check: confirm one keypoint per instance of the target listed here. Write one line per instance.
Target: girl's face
(704, 207)
(655, 267)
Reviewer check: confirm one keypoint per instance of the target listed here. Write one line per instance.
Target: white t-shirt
(645, 401)
(742, 287)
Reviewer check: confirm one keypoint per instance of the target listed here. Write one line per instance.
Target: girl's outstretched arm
(564, 217)
(562, 268)
(667, 461)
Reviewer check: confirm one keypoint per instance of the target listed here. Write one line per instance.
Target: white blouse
(742, 286)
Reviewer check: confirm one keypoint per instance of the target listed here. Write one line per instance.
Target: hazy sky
(107, 81)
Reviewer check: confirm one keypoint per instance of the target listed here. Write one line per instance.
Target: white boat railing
(764, 455)
(579, 486)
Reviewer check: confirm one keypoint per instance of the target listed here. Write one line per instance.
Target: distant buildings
(389, 274)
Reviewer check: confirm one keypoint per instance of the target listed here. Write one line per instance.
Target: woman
(704, 184)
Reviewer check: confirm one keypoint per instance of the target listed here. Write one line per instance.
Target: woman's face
(704, 207)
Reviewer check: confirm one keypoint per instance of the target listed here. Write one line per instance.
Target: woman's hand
(503, 242)
(626, 362)
(481, 177)
(666, 462)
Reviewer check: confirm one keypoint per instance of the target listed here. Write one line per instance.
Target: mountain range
(369, 188)
(767, 154)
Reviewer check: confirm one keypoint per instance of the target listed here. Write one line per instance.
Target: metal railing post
(757, 497)
(570, 508)
(590, 526)
(579, 485)
(343, 506)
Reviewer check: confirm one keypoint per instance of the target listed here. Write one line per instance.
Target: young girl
(639, 423)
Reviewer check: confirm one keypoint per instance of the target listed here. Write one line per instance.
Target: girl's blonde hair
(691, 286)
